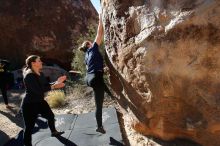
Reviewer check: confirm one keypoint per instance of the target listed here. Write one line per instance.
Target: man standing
(94, 66)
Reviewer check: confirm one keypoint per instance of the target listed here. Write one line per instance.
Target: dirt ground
(11, 123)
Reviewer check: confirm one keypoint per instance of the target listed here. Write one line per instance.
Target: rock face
(45, 27)
(164, 57)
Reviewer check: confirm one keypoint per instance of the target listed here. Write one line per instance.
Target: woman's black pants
(30, 113)
(96, 81)
(4, 93)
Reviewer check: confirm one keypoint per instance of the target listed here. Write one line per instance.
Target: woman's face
(37, 64)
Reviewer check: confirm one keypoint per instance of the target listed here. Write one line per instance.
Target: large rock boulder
(164, 57)
(45, 27)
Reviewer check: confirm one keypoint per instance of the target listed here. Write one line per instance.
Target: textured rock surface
(165, 65)
(45, 27)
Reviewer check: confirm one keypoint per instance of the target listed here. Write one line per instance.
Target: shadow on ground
(65, 141)
(175, 142)
(13, 118)
(14, 97)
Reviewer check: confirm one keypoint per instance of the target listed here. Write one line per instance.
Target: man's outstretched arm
(100, 31)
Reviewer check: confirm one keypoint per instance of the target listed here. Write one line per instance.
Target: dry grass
(56, 98)
(78, 91)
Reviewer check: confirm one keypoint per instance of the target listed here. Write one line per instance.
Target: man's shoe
(57, 133)
(101, 130)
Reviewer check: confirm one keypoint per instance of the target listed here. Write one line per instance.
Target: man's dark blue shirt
(94, 59)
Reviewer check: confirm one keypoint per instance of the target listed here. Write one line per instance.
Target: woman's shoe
(27, 144)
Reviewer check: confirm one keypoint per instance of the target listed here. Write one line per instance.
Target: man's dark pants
(96, 81)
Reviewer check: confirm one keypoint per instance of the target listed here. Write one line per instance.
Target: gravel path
(10, 125)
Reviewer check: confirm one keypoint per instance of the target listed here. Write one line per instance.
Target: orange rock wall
(165, 65)
(45, 27)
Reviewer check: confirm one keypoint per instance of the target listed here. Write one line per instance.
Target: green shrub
(55, 98)
(78, 62)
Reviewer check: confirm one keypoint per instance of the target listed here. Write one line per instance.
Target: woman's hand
(61, 79)
(57, 85)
